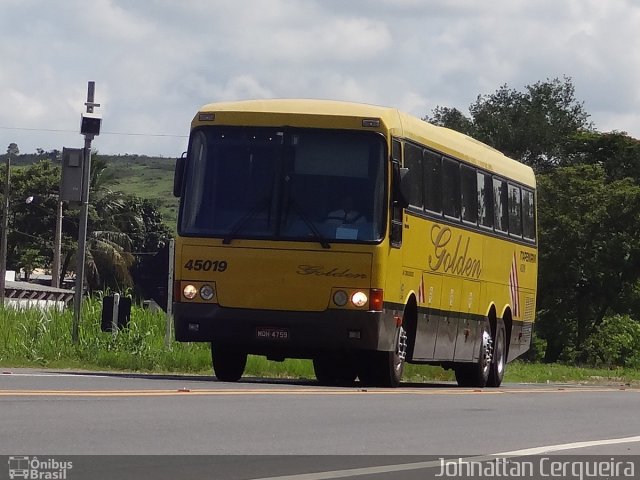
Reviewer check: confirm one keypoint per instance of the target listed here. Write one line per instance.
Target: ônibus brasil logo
(37, 469)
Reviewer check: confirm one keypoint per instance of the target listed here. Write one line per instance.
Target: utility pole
(89, 127)
(5, 229)
(57, 246)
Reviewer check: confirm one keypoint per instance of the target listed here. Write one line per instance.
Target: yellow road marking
(289, 391)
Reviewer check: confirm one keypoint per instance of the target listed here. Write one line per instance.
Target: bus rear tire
(476, 374)
(228, 363)
(498, 359)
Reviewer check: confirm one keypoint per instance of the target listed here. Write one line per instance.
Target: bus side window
(500, 205)
(413, 161)
(396, 151)
(469, 194)
(528, 215)
(451, 188)
(515, 211)
(397, 210)
(432, 181)
(485, 200)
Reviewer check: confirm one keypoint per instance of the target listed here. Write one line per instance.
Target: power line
(56, 130)
(146, 134)
(35, 129)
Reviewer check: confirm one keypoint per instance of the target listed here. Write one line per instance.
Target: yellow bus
(356, 236)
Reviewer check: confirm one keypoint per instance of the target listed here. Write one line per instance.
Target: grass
(43, 339)
(523, 372)
(35, 338)
(151, 179)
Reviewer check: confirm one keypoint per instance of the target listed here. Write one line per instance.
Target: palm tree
(108, 258)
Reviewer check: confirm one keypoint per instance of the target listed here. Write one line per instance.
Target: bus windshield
(282, 183)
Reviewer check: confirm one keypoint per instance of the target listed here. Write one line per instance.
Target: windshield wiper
(309, 223)
(239, 224)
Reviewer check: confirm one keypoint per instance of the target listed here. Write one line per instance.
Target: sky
(155, 62)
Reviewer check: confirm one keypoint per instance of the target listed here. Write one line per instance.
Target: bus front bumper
(291, 334)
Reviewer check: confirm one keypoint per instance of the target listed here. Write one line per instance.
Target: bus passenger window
(528, 215)
(500, 205)
(469, 194)
(432, 181)
(413, 161)
(485, 200)
(451, 188)
(515, 211)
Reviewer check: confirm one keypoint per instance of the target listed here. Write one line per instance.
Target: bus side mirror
(400, 185)
(178, 176)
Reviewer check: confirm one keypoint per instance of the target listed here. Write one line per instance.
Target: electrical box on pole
(71, 180)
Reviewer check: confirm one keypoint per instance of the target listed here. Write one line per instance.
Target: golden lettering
(457, 262)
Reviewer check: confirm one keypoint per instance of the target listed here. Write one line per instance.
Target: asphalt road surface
(257, 429)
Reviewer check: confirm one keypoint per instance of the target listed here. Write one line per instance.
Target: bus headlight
(340, 298)
(190, 292)
(206, 292)
(359, 299)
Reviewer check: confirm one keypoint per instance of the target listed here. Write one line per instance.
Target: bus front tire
(476, 374)
(228, 363)
(385, 369)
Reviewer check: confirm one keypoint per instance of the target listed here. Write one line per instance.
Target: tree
(33, 225)
(118, 225)
(534, 126)
(13, 149)
(148, 270)
(108, 260)
(452, 118)
(589, 253)
(29, 260)
(589, 232)
(616, 152)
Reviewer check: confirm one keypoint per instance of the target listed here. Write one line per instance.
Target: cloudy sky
(155, 62)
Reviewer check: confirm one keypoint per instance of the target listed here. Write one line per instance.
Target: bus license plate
(271, 333)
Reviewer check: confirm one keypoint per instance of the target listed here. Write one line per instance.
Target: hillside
(146, 177)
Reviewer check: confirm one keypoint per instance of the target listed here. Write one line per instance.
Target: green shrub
(615, 343)
(535, 354)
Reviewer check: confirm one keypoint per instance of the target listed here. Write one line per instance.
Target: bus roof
(399, 124)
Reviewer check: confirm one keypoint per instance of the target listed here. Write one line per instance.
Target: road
(50, 413)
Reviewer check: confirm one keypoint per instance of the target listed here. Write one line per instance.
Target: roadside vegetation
(42, 339)
(123, 229)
